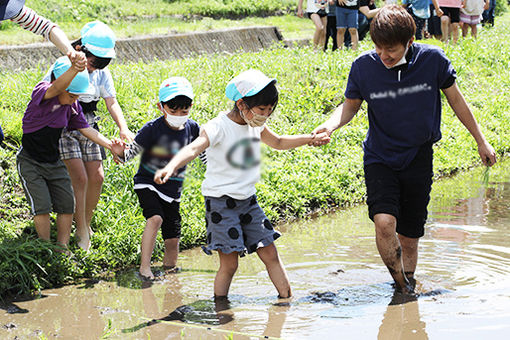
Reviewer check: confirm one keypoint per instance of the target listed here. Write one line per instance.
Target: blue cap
(80, 83)
(246, 84)
(99, 39)
(173, 87)
(10, 8)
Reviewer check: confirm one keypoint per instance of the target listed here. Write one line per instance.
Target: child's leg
(318, 36)
(148, 240)
(445, 27)
(171, 252)
(95, 176)
(455, 29)
(42, 226)
(79, 180)
(277, 274)
(354, 38)
(64, 222)
(474, 30)
(465, 28)
(228, 267)
(340, 32)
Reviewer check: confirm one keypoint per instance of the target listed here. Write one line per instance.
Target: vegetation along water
(293, 184)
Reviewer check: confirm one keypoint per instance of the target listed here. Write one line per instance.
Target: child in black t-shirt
(158, 141)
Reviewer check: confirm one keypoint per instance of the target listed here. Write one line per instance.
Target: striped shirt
(33, 22)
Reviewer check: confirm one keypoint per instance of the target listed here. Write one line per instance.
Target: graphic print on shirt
(161, 153)
(242, 155)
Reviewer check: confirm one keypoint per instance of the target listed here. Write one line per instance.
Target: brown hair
(392, 25)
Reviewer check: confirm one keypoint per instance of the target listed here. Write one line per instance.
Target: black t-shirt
(42, 145)
(349, 4)
(367, 3)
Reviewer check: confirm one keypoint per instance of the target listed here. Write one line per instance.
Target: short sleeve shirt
(160, 144)
(233, 158)
(43, 122)
(404, 106)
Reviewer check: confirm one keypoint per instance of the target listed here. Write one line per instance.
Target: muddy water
(341, 289)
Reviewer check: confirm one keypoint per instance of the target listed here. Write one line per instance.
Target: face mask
(175, 121)
(401, 61)
(256, 121)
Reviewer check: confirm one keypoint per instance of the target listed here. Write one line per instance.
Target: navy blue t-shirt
(160, 144)
(404, 104)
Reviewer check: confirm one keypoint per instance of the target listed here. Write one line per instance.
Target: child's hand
(162, 175)
(78, 60)
(127, 135)
(321, 138)
(117, 149)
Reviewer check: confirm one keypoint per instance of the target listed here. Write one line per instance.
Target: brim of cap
(10, 9)
(88, 90)
(173, 95)
(101, 53)
(259, 88)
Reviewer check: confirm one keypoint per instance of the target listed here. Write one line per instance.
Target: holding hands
(117, 149)
(78, 60)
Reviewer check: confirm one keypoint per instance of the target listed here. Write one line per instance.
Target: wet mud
(339, 282)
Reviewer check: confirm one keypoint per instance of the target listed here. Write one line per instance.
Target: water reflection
(402, 322)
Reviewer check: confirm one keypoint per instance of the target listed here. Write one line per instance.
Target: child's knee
(154, 221)
(97, 177)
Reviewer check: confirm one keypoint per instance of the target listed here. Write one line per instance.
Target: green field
(294, 183)
(142, 17)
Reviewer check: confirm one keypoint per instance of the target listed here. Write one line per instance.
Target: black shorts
(452, 12)
(321, 13)
(404, 194)
(153, 205)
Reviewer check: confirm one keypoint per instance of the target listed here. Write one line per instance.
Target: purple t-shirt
(43, 123)
(42, 113)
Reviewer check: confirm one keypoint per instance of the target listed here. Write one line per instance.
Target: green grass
(131, 18)
(293, 184)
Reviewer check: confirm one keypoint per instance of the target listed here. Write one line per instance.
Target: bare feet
(84, 241)
(146, 273)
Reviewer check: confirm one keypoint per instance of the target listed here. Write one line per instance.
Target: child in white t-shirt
(235, 222)
(471, 14)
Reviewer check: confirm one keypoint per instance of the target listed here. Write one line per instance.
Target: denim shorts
(403, 194)
(236, 225)
(346, 18)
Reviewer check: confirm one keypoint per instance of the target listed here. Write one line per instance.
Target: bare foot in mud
(146, 274)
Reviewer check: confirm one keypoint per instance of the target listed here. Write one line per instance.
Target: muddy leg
(409, 256)
(390, 250)
(223, 279)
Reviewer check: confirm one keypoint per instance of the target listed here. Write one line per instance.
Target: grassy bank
(143, 17)
(293, 184)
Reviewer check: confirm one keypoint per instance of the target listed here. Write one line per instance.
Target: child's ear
(160, 107)
(241, 105)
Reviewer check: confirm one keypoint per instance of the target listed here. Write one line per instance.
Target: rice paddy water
(341, 288)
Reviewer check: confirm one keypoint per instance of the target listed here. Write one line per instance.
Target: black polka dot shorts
(236, 225)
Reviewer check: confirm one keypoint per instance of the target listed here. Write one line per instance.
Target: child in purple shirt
(43, 175)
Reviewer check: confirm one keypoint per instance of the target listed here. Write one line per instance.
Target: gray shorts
(73, 144)
(236, 225)
(47, 186)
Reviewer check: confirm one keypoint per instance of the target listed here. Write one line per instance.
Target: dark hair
(52, 77)
(267, 96)
(96, 62)
(392, 25)
(178, 102)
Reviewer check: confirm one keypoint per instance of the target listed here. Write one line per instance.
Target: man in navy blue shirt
(401, 83)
